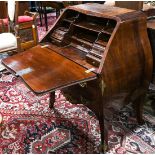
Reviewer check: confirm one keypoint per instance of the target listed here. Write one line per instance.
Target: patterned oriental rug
(27, 125)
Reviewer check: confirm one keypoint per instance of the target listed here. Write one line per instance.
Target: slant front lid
(43, 70)
(103, 10)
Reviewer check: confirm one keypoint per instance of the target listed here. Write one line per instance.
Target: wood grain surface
(44, 70)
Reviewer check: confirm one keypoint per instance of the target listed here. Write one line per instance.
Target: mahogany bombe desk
(95, 54)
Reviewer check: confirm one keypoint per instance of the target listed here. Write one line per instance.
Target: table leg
(45, 15)
(40, 16)
(57, 13)
(52, 100)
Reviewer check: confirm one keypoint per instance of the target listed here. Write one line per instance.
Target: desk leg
(52, 100)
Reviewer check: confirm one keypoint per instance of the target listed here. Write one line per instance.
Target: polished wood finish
(60, 72)
(26, 30)
(3, 8)
(28, 34)
(134, 5)
(110, 42)
(24, 6)
(3, 15)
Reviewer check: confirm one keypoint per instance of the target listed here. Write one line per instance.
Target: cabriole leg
(138, 106)
(52, 100)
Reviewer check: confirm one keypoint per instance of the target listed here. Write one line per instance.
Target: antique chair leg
(52, 100)
(45, 15)
(18, 45)
(57, 13)
(40, 13)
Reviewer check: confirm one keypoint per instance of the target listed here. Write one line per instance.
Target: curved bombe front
(112, 43)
